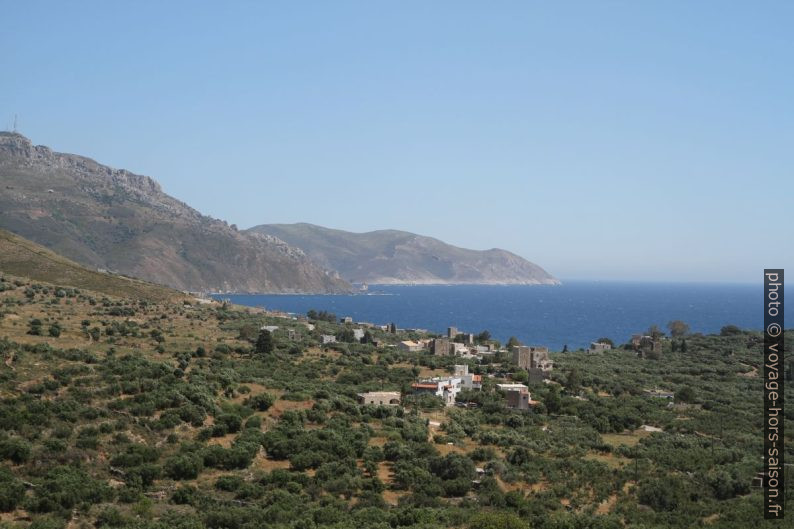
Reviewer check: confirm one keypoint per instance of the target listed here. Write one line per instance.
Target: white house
(445, 387)
(468, 380)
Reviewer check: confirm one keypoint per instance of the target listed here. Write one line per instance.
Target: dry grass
(22, 257)
(752, 373)
(255, 389)
(315, 353)
(392, 497)
(607, 505)
(281, 406)
(384, 472)
(626, 438)
(225, 441)
(261, 462)
(425, 372)
(521, 486)
(611, 460)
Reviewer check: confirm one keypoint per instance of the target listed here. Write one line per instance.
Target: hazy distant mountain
(399, 257)
(123, 222)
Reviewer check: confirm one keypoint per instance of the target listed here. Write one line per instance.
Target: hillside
(120, 415)
(123, 222)
(399, 257)
(21, 257)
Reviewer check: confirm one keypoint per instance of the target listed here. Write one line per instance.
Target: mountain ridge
(114, 219)
(400, 257)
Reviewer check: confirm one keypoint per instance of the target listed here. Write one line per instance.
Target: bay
(573, 314)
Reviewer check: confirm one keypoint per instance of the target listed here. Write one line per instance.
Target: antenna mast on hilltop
(15, 122)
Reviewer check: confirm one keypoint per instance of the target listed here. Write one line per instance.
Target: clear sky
(602, 140)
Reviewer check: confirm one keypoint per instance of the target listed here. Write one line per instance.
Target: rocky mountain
(112, 219)
(399, 257)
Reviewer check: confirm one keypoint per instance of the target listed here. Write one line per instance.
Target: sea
(573, 314)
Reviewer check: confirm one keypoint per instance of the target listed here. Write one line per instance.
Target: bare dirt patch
(607, 505)
(753, 373)
(384, 472)
(611, 460)
(261, 462)
(283, 405)
(392, 497)
(521, 485)
(625, 438)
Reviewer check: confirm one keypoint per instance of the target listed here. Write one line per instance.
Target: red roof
(424, 386)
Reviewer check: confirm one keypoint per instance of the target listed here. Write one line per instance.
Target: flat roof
(504, 387)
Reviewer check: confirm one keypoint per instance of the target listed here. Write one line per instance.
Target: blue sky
(602, 140)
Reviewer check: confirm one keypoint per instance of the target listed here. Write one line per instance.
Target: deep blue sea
(574, 313)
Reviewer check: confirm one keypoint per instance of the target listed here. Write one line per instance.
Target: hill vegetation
(399, 257)
(125, 413)
(21, 257)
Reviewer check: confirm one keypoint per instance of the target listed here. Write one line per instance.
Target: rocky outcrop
(120, 221)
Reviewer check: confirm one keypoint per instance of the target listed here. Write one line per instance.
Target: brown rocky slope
(112, 219)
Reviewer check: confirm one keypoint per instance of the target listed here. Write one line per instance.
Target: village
(526, 364)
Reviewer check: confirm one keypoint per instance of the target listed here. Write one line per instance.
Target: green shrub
(184, 466)
(55, 330)
(65, 487)
(230, 421)
(15, 450)
(47, 522)
(12, 491)
(261, 402)
(497, 520)
(34, 327)
(110, 517)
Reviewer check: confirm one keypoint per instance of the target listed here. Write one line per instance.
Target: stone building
(645, 345)
(440, 347)
(517, 396)
(598, 347)
(410, 346)
(535, 360)
(380, 398)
